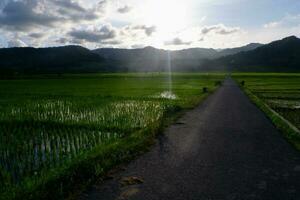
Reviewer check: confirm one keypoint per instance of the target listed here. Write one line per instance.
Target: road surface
(225, 149)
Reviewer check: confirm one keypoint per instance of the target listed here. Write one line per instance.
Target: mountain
(145, 59)
(128, 54)
(249, 47)
(282, 56)
(45, 60)
(153, 53)
(152, 59)
(278, 56)
(195, 53)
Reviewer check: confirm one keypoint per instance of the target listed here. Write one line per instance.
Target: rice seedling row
(48, 123)
(280, 91)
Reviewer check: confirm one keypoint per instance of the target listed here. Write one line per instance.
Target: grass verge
(60, 183)
(291, 133)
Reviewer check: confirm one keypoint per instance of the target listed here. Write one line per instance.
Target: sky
(165, 24)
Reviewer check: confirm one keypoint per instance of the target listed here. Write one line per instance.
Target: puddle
(166, 95)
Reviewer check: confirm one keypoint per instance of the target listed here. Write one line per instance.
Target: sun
(168, 16)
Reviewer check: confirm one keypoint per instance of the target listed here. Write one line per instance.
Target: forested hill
(56, 59)
(282, 55)
(278, 56)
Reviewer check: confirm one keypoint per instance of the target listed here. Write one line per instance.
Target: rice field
(49, 122)
(278, 90)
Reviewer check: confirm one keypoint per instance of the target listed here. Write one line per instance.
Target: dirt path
(224, 149)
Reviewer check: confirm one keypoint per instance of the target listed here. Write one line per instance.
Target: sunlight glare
(168, 16)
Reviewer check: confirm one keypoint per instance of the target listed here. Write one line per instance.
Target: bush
(218, 83)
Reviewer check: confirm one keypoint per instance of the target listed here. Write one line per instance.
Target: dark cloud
(75, 16)
(3, 3)
(62, 40)
(111, 42)
(177, 41)
(104, 33)
(219, 29)
(36, 35)
(20, 15)
(25, 14)
(101, 6)
(75, 12)
(137, 46)
(124, 9)
(228, 31)
(69, 5)
(206, 30)
(149, 30)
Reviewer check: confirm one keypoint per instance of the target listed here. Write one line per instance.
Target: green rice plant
(50, 125)
(281, 93)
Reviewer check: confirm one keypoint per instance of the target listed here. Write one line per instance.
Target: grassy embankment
(57, 132)
(278, 95)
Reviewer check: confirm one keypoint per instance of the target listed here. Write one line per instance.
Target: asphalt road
(224, 149)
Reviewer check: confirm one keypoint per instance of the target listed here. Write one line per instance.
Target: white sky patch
(16, 43)
(272, 25)
(288, 21)
(286, 26)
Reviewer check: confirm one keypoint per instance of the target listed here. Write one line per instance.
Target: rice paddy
(278, 90)
(50, 122)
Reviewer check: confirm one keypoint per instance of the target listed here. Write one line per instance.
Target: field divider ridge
(291, 132)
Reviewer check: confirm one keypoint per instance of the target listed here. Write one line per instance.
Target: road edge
(288, 130)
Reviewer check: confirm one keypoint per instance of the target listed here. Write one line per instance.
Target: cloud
(3, 3)
(206, 30)
(177, 41)
(272, 25)
(111, 42)
(53, 22)
(36, 35)
(62, 40)
(23, 15)
(95, 35)
(70, 5)
(219, 29)
(73, 11)
(137, 32)
(101, 6)
(288, 21)
(137, 46)
(125, 9)
(149, 30)
(16, 43)
(20, 15)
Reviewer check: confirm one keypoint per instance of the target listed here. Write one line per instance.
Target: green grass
(278, 95)
(57, 132)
